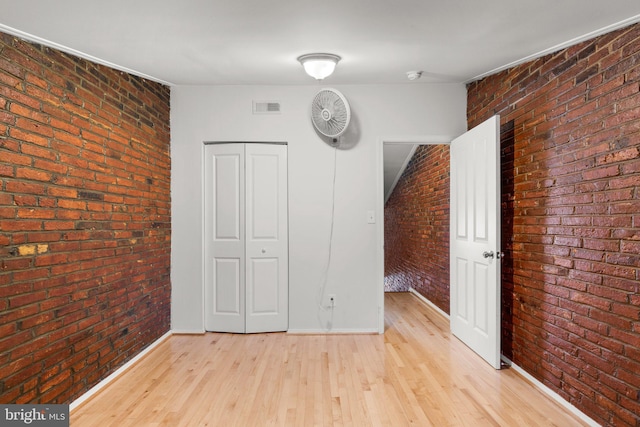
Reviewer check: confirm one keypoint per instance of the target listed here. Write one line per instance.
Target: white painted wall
(379, 112)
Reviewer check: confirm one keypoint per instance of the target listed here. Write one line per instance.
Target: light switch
(371, 217)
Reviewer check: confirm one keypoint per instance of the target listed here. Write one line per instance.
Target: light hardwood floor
(414, 374)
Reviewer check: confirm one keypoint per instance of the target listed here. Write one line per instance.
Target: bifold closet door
(266, 242)
(246, 238)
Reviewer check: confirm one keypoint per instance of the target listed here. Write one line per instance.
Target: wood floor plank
(415, 374)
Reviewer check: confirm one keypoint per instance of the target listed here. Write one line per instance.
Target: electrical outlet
(332, 300)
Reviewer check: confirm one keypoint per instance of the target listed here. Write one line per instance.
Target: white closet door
(246, 238)
(266, 238)
(224, 238)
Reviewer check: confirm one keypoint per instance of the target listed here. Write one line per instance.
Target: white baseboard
(429, 303)
(552, 394)
(95, 389)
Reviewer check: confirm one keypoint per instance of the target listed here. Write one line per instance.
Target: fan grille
(330, 113)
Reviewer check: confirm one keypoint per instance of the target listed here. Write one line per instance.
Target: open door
(475, 240)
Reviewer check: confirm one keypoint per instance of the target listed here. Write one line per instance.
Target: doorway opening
(417, 228)
(414, 219)
(441, 233)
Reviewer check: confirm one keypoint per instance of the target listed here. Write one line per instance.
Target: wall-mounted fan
(330, 113)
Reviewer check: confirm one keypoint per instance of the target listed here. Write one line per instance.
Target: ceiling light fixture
(319, 65)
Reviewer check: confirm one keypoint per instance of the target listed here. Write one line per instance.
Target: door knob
(488, 254)
(264, 251)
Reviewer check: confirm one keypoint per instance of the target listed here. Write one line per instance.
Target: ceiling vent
(266, 107)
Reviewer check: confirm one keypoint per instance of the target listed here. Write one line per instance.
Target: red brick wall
(84, 221)
(416, 227)
(571, 196)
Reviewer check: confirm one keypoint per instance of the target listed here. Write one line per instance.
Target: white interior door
(266, 238)
(475, 240)
(246, 238)
(224, 238)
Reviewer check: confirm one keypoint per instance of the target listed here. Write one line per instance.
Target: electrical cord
(323, 282)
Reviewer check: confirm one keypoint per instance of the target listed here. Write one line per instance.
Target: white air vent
(266, 107)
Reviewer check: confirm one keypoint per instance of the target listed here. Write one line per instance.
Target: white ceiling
(214, 42)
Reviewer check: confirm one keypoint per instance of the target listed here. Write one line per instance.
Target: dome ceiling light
(319, 65)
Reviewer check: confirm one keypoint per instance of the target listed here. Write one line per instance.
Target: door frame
(408, 139)
(203, 216)
(417, 140)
